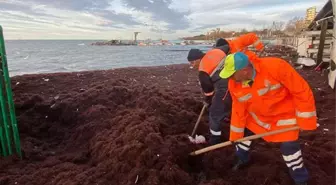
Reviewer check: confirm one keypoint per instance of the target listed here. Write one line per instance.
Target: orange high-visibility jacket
(207, 66)
(242, 43)
(278, 98)
(211, 60)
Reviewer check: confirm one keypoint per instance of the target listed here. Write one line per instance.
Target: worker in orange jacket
(219, 102)
(268, 94)
(215, 89)
(241, 44)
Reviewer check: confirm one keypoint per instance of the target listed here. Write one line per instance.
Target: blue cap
(234, 62)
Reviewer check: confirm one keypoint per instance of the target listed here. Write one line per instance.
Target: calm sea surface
(41, 56)
(48, 56)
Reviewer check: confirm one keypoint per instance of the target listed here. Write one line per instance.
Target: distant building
(310, 15)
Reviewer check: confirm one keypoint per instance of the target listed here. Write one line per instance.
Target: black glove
(227, 119)
(215, 140)
(207, 101)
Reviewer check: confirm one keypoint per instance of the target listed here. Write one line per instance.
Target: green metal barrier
(9, 135)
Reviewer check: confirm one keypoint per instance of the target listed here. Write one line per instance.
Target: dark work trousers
(291, 154)
(220, 108)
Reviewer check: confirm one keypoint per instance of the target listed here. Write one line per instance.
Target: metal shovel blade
(199, 139)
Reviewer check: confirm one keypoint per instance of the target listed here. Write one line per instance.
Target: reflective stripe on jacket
(278, 98)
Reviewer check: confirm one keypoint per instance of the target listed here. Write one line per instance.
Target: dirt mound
(287, 53)
(130, 126)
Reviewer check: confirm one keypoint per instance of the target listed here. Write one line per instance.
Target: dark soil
(130, 126)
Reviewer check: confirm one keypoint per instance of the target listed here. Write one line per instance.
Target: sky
(118, 19)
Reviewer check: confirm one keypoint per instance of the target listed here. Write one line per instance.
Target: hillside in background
(293, 27)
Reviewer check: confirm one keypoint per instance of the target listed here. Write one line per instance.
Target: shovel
(200, 138)
(228, 143)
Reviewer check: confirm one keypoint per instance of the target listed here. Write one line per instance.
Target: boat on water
(114, 43)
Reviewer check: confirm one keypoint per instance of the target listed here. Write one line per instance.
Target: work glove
(215, 140)
(207, 101)
(227, 120)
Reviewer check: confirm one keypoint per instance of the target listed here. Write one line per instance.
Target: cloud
(6, 6)
(122, 18)
(76, 5)
(248, 14)
(161, 11)
(108, 19)
(95, 7)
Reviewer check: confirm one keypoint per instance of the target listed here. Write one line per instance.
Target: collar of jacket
(255, 70)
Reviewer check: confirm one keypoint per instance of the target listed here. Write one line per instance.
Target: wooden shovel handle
(198, 121)
(227, 143)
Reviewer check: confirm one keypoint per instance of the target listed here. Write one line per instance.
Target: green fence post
(7, 105)
(3, 151)
(5, 124)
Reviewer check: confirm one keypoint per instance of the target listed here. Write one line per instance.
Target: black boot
(239, 165)
(214, 140)
(301, 183)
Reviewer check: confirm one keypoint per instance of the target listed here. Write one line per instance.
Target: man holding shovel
(216, 96)
(269, 95)
(215, 89)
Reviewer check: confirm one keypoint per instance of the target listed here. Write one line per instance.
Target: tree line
(293, 27)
